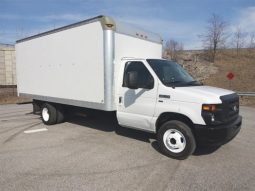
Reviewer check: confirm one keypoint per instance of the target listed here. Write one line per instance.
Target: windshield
(171, 74)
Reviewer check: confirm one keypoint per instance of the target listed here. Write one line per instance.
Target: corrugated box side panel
(68, 65)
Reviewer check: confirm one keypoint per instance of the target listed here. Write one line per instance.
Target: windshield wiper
(173, 82)
(194, 83)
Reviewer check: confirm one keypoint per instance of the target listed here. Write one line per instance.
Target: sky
(182, 20)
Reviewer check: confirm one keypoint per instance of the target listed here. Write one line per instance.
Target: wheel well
(164, 117)
(37, 105)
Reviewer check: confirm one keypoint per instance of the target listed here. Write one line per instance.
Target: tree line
(217, 36)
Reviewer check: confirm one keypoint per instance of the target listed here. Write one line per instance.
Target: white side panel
(130, 30)
(128, 46)
(67, 64)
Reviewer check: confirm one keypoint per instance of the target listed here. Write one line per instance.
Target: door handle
(164, 96)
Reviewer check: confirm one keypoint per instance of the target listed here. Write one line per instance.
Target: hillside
(243, 67)
(214, 74)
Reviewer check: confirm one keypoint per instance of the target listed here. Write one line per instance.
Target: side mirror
(132, 80)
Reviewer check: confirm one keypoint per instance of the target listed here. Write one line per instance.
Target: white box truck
(107, 65)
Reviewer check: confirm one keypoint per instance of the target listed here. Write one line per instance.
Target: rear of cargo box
(65, 66)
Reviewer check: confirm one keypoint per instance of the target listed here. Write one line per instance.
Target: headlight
(211, 113)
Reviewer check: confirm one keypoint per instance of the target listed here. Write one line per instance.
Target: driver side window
(145, 79)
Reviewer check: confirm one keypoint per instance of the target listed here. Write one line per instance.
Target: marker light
(109, 25)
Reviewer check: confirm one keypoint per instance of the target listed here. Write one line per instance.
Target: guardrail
(246, 93)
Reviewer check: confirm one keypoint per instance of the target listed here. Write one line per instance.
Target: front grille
(230, 107)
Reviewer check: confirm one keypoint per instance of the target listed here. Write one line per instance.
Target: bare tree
(173, 49)
(215, 35)
(238, 39)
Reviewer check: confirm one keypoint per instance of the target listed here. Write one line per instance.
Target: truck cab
(159, 96)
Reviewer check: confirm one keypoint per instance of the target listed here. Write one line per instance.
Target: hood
(198, 94)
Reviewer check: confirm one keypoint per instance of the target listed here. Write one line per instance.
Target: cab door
(137, 104)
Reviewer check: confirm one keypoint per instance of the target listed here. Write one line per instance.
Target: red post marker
(230, 75)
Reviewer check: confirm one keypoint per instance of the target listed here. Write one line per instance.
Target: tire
(60, 114)
(176, 140)
(49, 114)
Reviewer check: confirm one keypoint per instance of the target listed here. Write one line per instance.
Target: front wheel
(176, 140)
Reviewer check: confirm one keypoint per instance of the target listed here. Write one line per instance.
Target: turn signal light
(210, 108)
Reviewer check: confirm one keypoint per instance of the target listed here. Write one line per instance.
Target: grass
(243, 68)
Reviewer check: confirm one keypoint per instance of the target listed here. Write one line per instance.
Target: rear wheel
(49, 114)
(176, 140)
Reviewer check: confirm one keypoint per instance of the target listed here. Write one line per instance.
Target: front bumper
(217, 135)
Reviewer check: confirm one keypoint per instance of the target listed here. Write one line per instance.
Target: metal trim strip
(109, 69)
(61, 28)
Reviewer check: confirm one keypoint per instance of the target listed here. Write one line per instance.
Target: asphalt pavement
(93, 153)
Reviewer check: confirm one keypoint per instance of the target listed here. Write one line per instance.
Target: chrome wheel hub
(45, 114)
(174, 140)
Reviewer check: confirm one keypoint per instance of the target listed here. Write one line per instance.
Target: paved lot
(88, 153)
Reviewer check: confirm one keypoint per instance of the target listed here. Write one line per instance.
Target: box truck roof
(107, 24)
